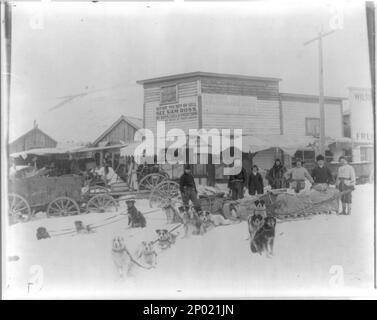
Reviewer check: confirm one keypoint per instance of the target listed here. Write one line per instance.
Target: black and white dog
(263, 240)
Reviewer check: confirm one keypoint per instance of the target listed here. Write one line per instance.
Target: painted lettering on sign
(177, 112)
(360, 103)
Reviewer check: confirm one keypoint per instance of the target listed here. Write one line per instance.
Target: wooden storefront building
(224, 101)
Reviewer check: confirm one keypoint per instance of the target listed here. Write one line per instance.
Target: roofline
(25, 134)
(309, 96)
(115, 123)
(88, 149)
(204, 74)
(360, 88)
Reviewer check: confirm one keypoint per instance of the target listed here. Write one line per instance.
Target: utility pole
(322, 141)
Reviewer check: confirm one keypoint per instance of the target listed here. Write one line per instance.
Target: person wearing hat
(321, 173)
(255, 184)
(297, 176)
(187, 187)
(345, 182)
(275, 175)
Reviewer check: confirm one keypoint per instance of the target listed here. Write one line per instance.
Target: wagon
(57, 196)
(148, 178)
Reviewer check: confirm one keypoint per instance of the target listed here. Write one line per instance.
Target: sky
(98, 51)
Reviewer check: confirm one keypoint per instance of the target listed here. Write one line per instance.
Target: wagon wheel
(150, 181)
(62, 206)
(102, 203)
(19, 209)
(164, 193)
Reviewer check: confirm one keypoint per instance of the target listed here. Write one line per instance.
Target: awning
(129, 150)
(90, 149)
(45, 152)
(288, 143)
(340, 143)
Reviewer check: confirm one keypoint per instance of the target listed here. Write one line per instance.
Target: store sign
(177, 112)
(361, 111)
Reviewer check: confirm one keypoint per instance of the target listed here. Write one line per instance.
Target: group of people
(279, 177)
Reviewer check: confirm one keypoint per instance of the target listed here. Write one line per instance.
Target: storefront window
(312, 127)
(366, 154)
(329, 156)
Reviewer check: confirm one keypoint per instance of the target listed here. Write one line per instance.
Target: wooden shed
(122, 130)
(33, 139)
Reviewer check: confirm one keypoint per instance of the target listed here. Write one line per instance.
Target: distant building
(33, 139)
(121, 131)
(361, 126)
(106, 146)
(301, 117)
(211, 100)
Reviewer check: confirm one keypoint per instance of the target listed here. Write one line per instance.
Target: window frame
(176, 94)
(307, 133)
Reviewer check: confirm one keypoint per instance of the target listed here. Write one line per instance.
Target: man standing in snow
(187, 187)
(297, 176)
(236, 184)
(321, 173)
(275, 175)
(255, 182)
(345, 182)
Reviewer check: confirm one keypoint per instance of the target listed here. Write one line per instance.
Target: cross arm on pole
(321, 35)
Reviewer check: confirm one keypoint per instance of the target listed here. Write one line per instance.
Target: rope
(100, 225)
(135, 261)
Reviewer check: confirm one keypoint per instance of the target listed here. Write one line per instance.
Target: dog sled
(284, 204)
(318, 200)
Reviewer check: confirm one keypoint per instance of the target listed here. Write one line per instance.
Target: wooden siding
(122, 132)
(32, 140)
(187, 93)
(185, 89)
(295, 113)
(263, 90)
(239, 112)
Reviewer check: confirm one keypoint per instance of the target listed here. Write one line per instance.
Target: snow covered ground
(326, 255)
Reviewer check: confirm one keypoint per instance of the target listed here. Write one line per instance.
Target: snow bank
(219, 264)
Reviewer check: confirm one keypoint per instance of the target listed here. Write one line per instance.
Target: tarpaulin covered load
(211, 199)
(209, 191)
(311, 201)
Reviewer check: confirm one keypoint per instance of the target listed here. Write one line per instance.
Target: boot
(348, 209)
(343, 208)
